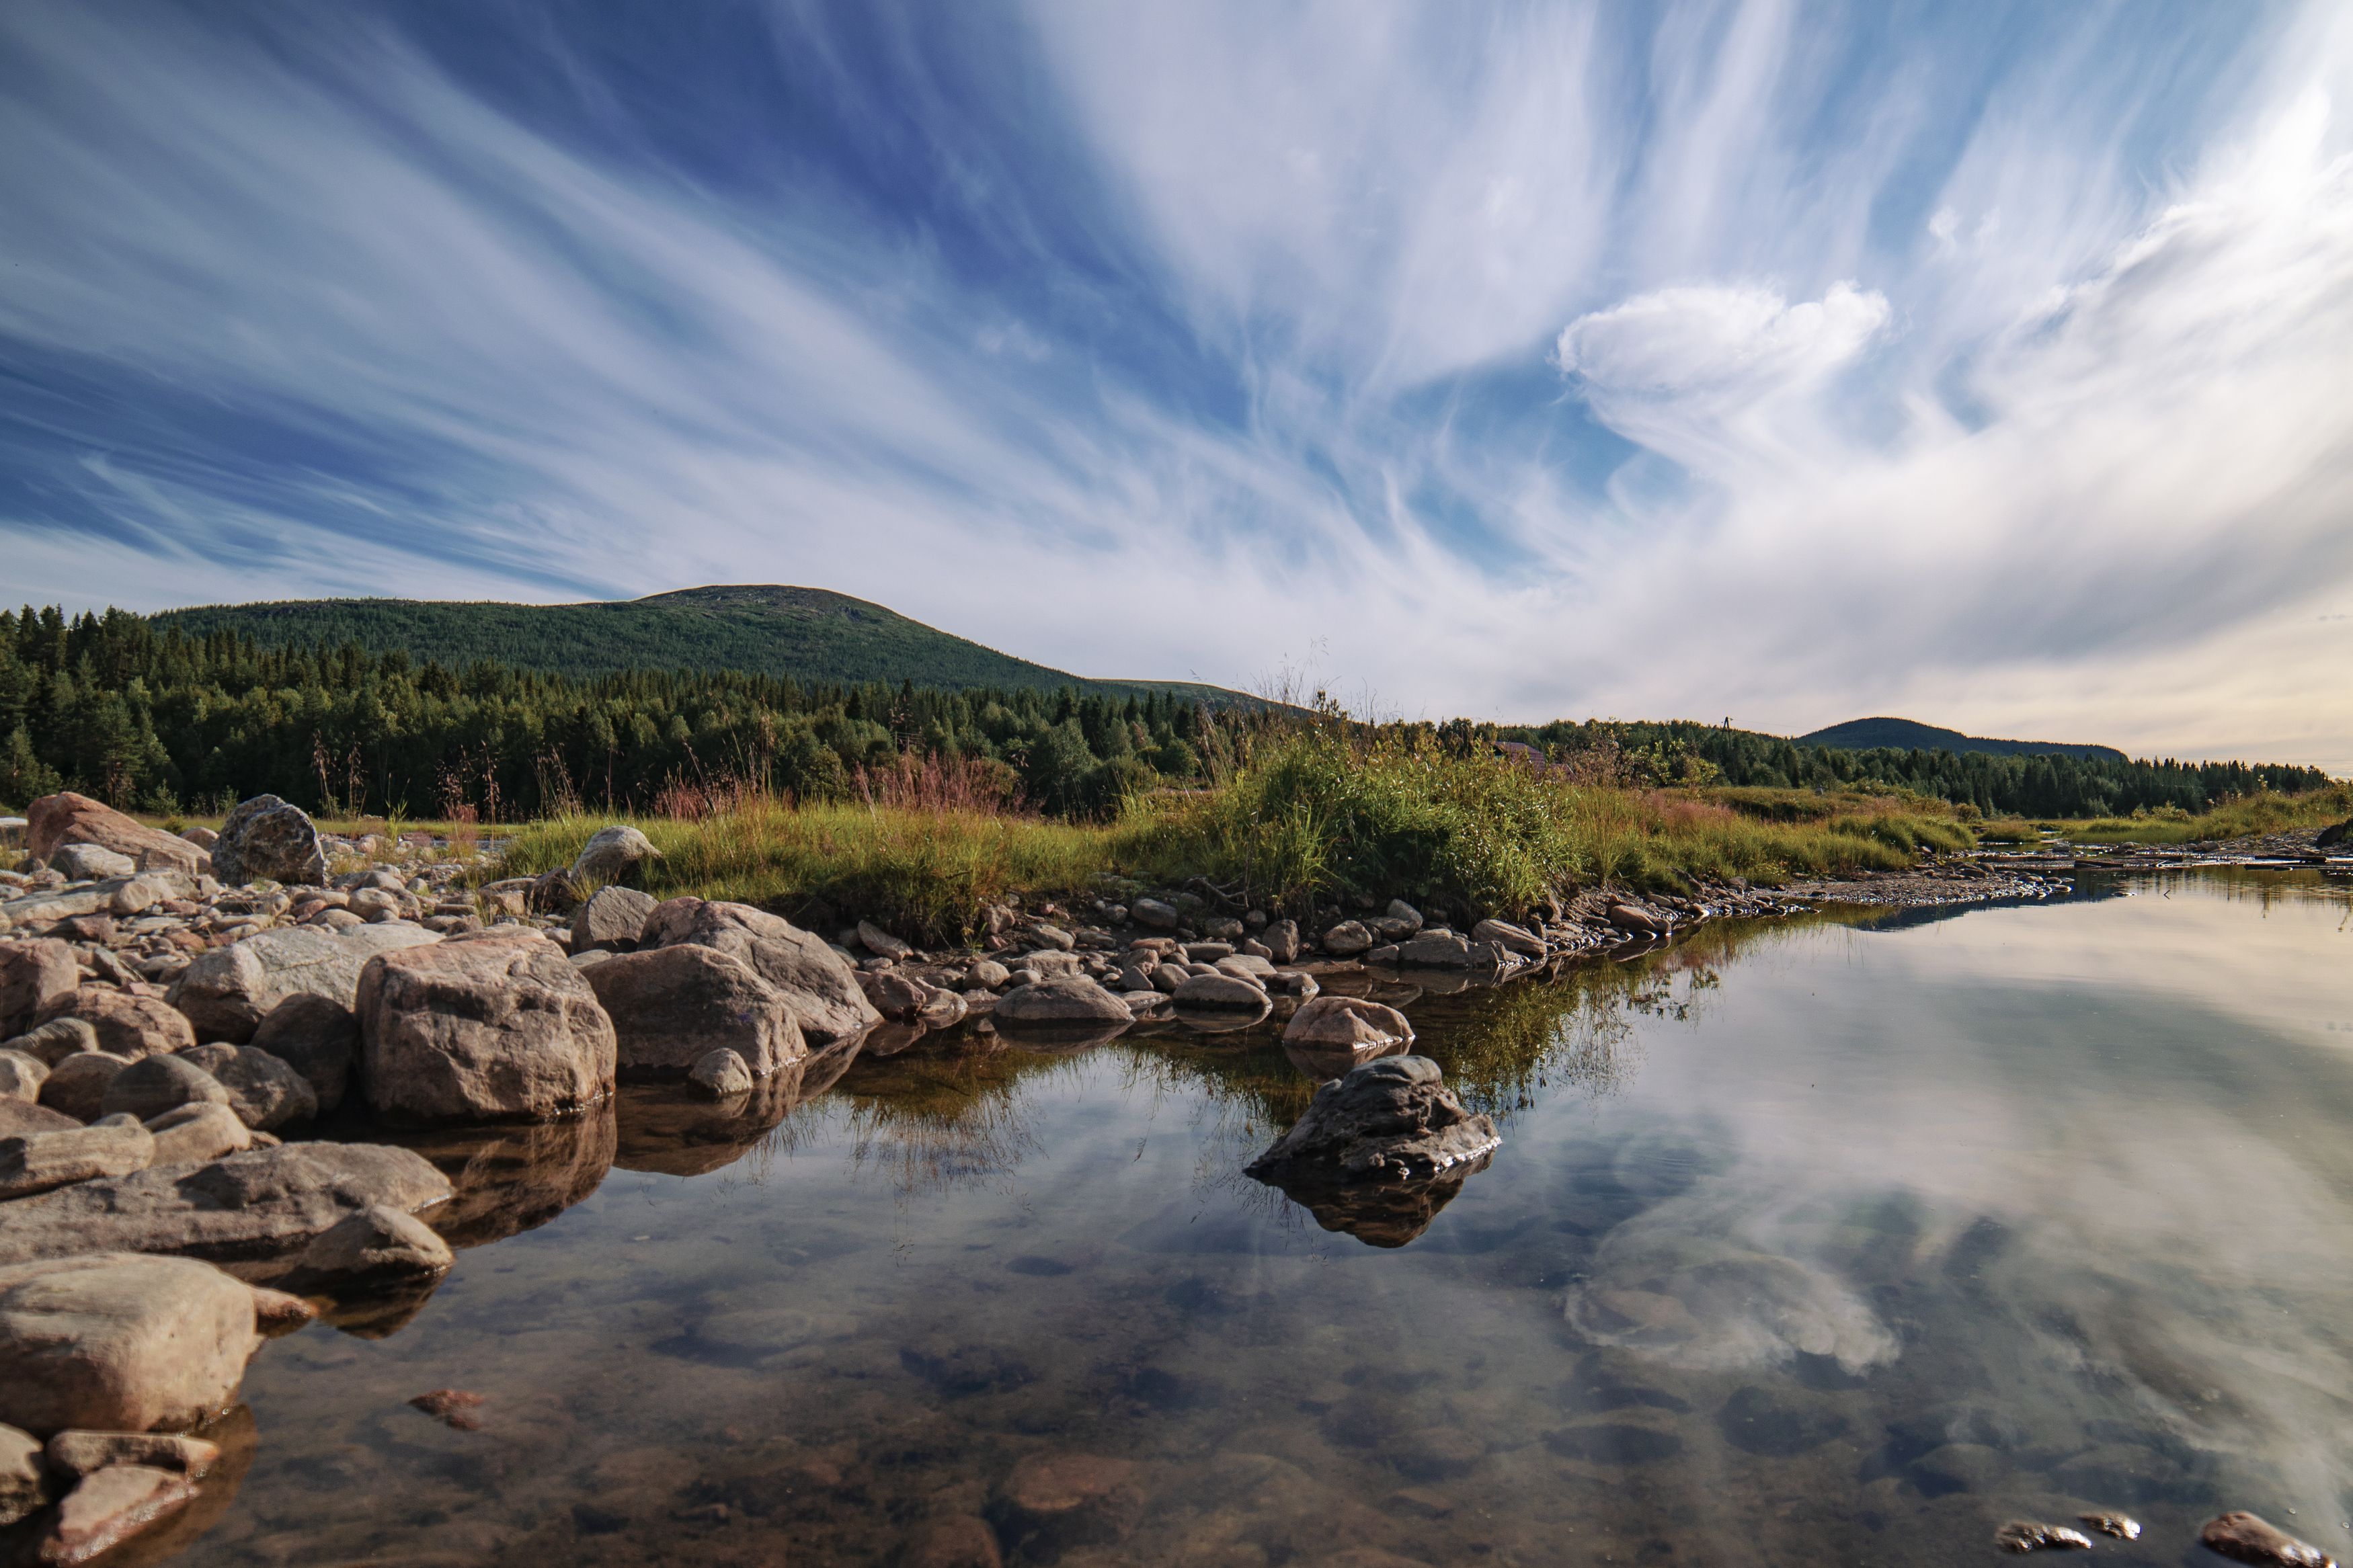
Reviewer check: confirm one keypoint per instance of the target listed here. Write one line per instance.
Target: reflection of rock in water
(1323, 1063)
(1706, 1303)
(514, 1178)
(675, 1130)
(1376, 1213)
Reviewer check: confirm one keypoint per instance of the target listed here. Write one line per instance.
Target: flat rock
(818, 983)
(2249, 1538)
(1511, 938)
(248, 1205)
(672, 1006)
(56, 820)
(483, 1029)
(227, 991)
(319, 1037)
(115, 1341)
(109, 1507)
(91, 863)
(40, 1161)
(266, 839)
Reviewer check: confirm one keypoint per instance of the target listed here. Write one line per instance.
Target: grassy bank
(1303, 826)
(2243, 818)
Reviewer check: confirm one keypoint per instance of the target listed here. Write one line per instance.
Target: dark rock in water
(1388, 1118)
(1756, 1421)
(1053, 1502)
(2026, 1535)
(1378, 1214)
(2248, 1538)
(265, 838)
(451, 1407)
(2334, 837)
(957, 1540)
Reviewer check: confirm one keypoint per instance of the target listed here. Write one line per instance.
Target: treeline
(1997, 785)
(163, 721)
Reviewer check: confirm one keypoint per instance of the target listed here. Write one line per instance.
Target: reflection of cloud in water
(2106, 1184)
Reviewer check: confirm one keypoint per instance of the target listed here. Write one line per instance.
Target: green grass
(2243, 818)
(1308, 823)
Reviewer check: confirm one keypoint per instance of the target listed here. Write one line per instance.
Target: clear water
(1841, 1242)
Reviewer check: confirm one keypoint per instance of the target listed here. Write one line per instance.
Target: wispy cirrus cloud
(1756, 358)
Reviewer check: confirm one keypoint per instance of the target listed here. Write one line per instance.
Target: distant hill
(806, 634)
(1904, 735)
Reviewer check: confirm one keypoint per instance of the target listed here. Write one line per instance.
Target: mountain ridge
(812, 634)
(1911, 735)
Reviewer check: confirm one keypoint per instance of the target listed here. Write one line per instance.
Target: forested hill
(1906, 735)
(807, 635)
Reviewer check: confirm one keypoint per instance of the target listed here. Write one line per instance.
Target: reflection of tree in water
(939, 1116)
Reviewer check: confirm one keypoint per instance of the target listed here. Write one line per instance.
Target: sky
(1988, 364)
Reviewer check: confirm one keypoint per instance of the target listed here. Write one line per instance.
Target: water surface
(1833, 1242)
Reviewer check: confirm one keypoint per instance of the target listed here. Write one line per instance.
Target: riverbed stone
(18, 1118)
(38, 1161)
(881, 943)
(1063, 999)
(1511, 938)
(56, 820)
(1434, 950)
(154, 1085)
(819, 984)
(266, 1092)
(267, 839)
(483, 1029)
(319, 1037)
(612, 855)
(21, 1075)
(611, 921)
(126, 1024)
(1391, 1117)
(77, 1085)
(197, 1134)
(721, 1073)
(1220, 993)
(671, 1006)
(227, 991)
(116, 1342)
(379, 1248)
(1347, 938)
(1352, 1024)
(25, 1484)
(32, 975)
(74, 1454)
(254, 1205)
(54, 1041)
(1051, 1503)
(108, 1508)
(2249, 1538)
(1154, 915)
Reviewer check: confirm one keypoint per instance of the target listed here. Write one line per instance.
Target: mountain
(808, 633)
(1904, 735)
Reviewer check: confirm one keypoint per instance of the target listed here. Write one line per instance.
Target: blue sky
(1984, 364)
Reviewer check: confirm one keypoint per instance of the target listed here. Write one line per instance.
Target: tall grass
(2245, 817)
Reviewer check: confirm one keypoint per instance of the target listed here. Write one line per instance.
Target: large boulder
(611, 856)
(251, 1205)
(319, 1037)
(487, 1028)
(76, 1086)
(1061, 1000)
(126, 1026)
(1349, 1024)
(119, 1343)
(227, 993)
(1389, 1119)
(56, 820)
(266, 1092)
(671, 1006)
(265, 839)
(38, 1161)
(32, 975)
(91, 863)
(819, 984)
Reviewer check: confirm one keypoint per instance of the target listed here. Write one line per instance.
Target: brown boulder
(127, 1025)
(820, 985)
(1364, 1029)
(671, 1006)
(41, 1160)
(150, 1087)
(115, 1341)
(56, 820)
(319, 1037)
(227, 991)
(76, 1086)
(485, 1029)
(33, 974)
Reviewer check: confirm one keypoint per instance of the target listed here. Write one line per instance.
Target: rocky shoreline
(178, 1052)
